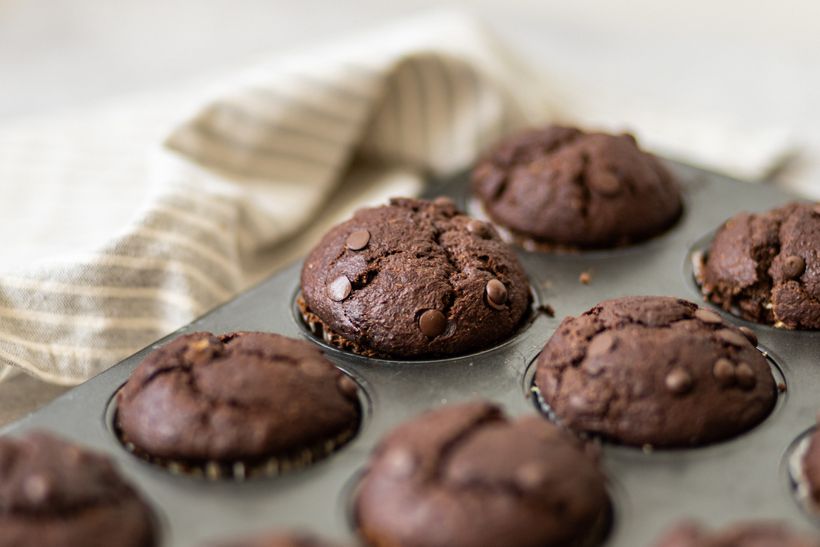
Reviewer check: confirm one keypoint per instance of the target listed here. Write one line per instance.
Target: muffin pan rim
(473, 207)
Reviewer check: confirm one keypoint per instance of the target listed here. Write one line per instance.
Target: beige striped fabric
(124, 222)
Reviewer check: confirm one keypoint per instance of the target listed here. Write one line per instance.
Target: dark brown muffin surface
(466, 476)
(767, 266)
(414, 279)
(744, 534)
(54, 494)
(656, 371)
(564, 188)
(236, 397)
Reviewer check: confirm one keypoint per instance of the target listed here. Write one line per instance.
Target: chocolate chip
(75, 456)
(444, 201)
(37, 488)
(530, 476)
(314, 367)
(478, 228)
(749, 334)
(732, 337)
(745, 376)
(199, 351)
(432, 323)
(358, 240)
(793, 266)
(496, 294)
(601, 344)
(347, 386)
(399, 462)
(678, 381)
(724, 372)
(339, 288)
(708, 316)
(579, 402)
(605, 183)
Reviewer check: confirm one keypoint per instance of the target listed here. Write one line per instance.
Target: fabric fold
(278, 153)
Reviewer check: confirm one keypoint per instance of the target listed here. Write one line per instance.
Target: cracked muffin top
(656, 371)
(235, 397)
(54, 493)
(742, 534)
(414, 279)
(766, 266)
(466, 476)
(561, 188)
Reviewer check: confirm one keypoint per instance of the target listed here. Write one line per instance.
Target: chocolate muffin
(745, 534)
(562, 188)
(413, 279)
(766, 266)
(466, 476)
(54, 494)
(278, 540)
(217, 403)
(656, 371)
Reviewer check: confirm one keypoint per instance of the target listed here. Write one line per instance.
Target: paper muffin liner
(245, 469)
(477, 210)
(319, 328)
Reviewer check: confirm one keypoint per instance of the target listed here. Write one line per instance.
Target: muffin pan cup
(743, 478)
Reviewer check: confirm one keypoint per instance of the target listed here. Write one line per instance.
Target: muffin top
(430, 480)
(235, 397)
(415, 279)
(55, 493)
(561, 187)
(652, 370)
(767, 266)
(744, 534)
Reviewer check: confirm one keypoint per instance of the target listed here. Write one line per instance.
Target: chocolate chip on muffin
(561, 188)
(413, 279)
(744, 534)
(467, 476)
(237, 404)
(277, 540)
(657, 371)
(54, 493)
(766, 266)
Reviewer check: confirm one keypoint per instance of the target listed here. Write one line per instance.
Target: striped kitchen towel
(124, 222)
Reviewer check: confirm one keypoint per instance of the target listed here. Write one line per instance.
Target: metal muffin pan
(743, 478)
